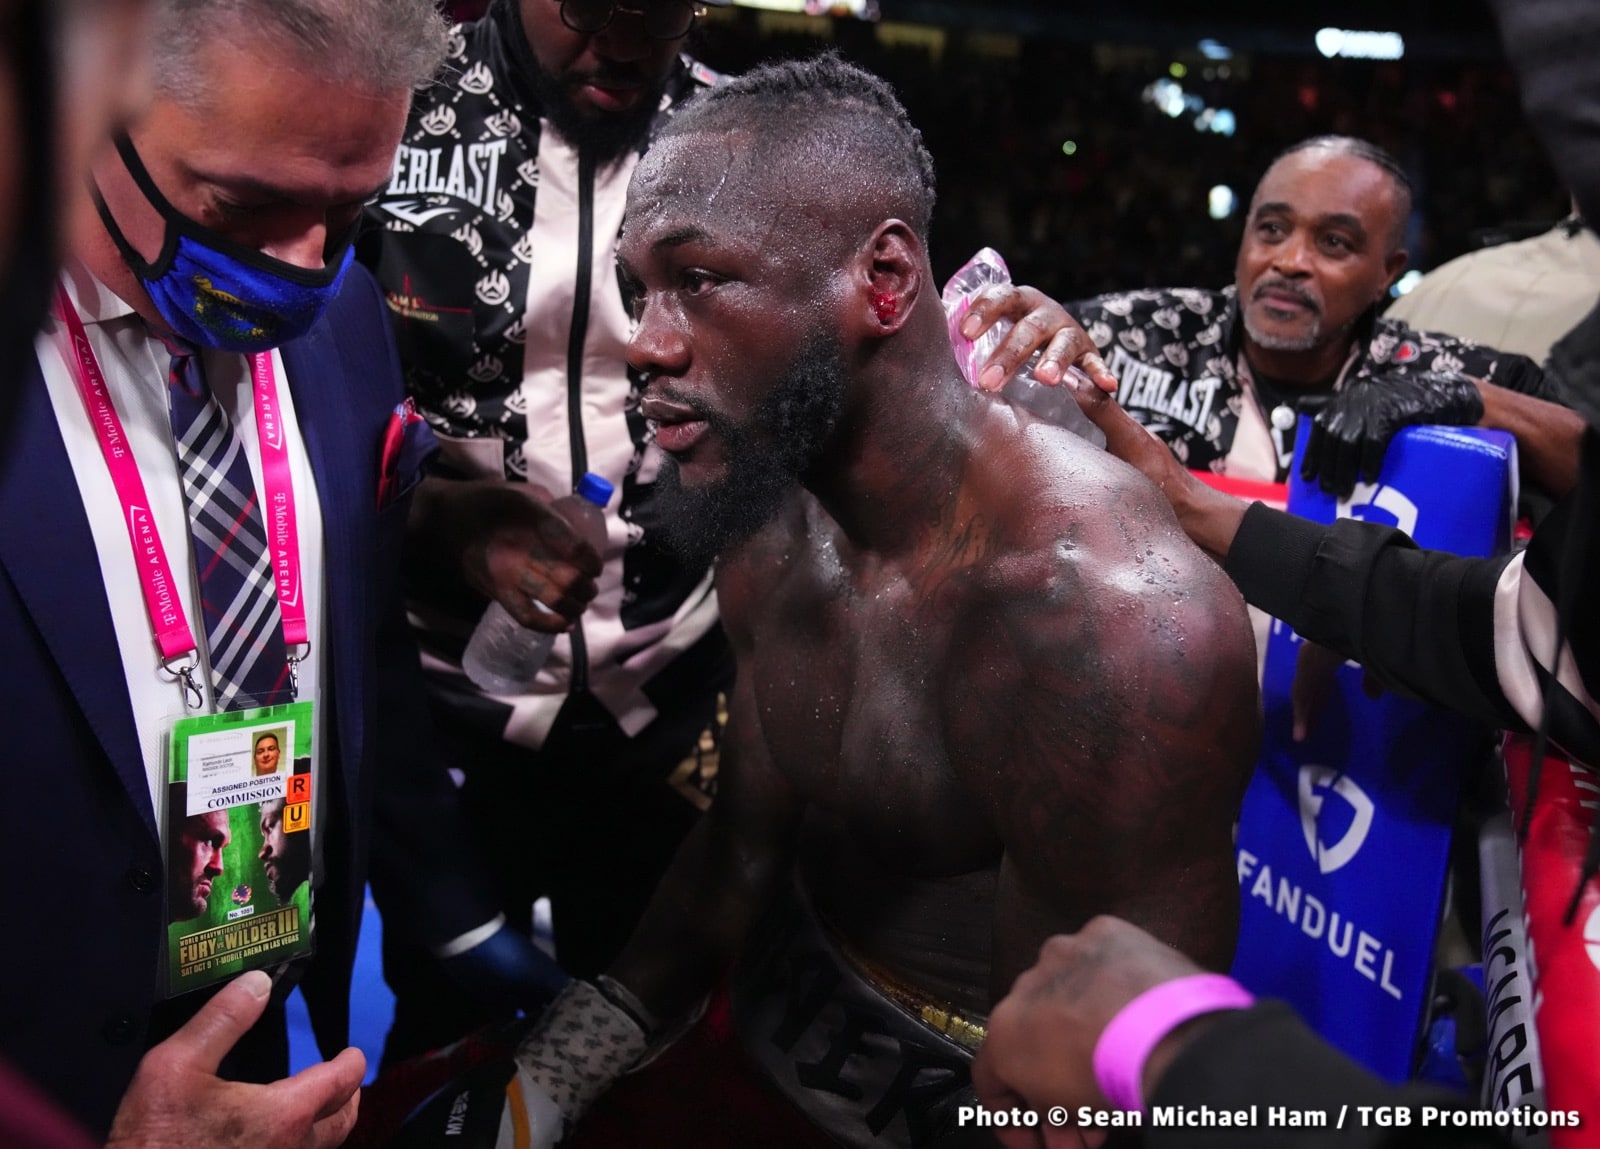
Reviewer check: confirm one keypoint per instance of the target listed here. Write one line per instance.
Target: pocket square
(408, 443)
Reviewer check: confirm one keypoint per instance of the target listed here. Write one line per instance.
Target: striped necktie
(244, 631)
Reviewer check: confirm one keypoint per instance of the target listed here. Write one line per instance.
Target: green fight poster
(237, 834)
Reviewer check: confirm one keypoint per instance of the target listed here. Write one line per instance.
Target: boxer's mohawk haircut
(838, 116)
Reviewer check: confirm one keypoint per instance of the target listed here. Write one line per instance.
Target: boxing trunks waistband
(871, 1061)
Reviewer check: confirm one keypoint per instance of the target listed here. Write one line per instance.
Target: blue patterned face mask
(216, 293)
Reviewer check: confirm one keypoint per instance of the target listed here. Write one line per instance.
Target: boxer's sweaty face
(742, 358)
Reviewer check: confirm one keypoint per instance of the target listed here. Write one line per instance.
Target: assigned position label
(1268, 1116)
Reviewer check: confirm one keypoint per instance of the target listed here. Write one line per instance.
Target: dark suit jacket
(78, 836)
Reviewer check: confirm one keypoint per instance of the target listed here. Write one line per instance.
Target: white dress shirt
(135, 365)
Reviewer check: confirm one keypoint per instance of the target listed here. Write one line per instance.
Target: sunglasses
(663, 19)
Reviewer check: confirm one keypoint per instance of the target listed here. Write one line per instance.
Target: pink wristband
(1139, 1026)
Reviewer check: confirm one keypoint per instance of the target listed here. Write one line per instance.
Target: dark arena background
(1111, 146)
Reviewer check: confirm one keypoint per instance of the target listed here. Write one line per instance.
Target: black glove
(1352, 430)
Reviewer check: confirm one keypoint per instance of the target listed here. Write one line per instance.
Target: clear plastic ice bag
(1052, 403)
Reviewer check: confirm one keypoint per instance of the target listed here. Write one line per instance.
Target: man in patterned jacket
(494, 243)
(1218, 375)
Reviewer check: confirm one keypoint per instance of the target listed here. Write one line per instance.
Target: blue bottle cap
(595, 489)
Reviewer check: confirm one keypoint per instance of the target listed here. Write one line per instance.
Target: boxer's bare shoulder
(1053, 681)
(1100, 700)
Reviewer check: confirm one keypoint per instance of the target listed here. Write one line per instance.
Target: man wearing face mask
(212, 373)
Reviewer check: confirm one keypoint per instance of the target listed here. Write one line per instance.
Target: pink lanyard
(179, 652)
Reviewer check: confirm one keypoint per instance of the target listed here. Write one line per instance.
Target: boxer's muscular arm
(701, 909)
(727, 868)
(1112, 721)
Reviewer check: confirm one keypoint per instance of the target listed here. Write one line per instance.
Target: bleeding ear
(891, 279)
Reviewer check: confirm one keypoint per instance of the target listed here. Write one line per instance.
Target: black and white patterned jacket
(1177, 355)
(495, 243)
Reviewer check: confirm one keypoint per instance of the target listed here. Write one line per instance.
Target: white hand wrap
(581, 1044)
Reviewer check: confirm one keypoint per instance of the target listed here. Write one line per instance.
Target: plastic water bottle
(503, 656)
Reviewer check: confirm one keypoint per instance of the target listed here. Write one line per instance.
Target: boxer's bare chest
(855, 676)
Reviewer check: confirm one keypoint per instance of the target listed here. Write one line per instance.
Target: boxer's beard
(767, 455)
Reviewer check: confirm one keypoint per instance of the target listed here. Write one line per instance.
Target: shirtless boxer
(986, 690)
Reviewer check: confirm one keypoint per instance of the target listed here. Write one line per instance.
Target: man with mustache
(1217, 375)
(1512, 640)
(963, 717)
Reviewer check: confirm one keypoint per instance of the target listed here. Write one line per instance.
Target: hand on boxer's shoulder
(1126, 438)
(1041, 324)
(176, 1097)
(1208, 516)
(1039, 1052)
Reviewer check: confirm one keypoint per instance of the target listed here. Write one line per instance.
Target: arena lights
(860, 9)
(1333, 42)
(1221, 201)
(1220, 121)
(1169, 98)
(1405, 283)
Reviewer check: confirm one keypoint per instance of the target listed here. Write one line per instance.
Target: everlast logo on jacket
(493, 242)
(469, 172)
(1176, 354)
(1161, 396)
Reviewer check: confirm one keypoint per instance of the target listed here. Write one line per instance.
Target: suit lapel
(334, 445)
(48, 551)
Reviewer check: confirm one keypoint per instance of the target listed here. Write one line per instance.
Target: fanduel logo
(1348, 942)
(1316, 782)
(1389, 499)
